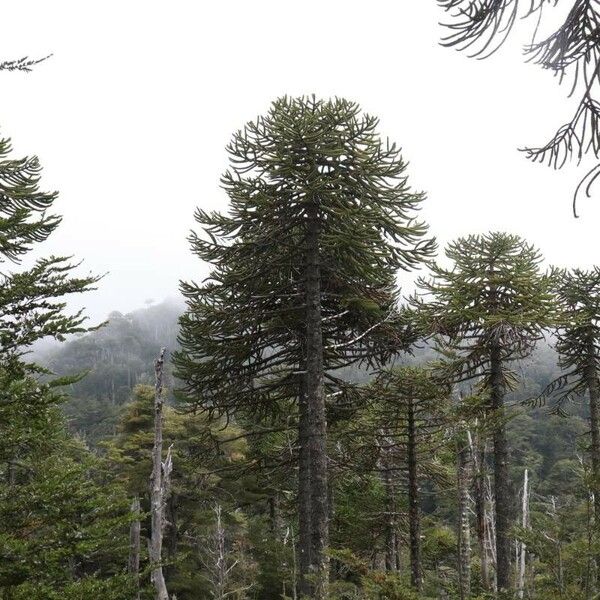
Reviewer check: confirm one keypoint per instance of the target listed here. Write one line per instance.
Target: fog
(131, 115)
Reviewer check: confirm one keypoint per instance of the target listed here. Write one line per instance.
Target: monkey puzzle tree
(321, 218)
(60, 518)
(578, 346)
(408, 413)
(487, 310)
(31, 300)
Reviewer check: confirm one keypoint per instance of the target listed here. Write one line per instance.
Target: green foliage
(494, 293)
(31, 301)
(368, 584)
(577, 336)
(63, 524)
(246, 322)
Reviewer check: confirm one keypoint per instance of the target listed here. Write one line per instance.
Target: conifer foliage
(489, 309)
(571, 51)
(408, 412)
(59, 517)
(321, 218)
(31, 300)
(578, 347)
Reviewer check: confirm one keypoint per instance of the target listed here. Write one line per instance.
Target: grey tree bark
(158, 486)
(522, 546)
(392, 558)
(133, 566)
(463, 477)
(478, 454)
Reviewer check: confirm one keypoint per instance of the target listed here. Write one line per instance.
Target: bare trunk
(523, 548)
(490, 523)
(221, 568)
(463, 475)
(133, 566)
(157, 487)
(414, 516)
(391, 537)
(316, 409)
(501, 480)
(478, 458)
(276, 523)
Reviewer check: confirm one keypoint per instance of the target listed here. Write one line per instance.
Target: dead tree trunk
(133, 566)
(490, 523)
(275, 521)
(463, 476)
(523, 548)
(478, 453)
(391, 536)
(158, 486)
(391, 531)
(221, 568)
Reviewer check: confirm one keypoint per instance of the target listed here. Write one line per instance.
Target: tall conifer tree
(48, 546)
(32, 303)
(408, 412)
(578, 346)
(304, 264)
(489, 309)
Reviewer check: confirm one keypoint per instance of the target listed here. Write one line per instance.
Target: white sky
(131, 116)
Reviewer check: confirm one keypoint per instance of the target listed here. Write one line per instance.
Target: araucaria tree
(578, 346)
(489, 309)
(407, 408)
(59, 517)
(304, 265)
(31, 300)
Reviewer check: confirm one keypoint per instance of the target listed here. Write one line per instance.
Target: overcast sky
(131, 115)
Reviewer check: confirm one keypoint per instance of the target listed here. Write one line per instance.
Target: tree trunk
(133, 566)
(316, 408)
(171, 540)
(413, 501)
(501, 480)
(591, 377)
(391, 537)
(523, 547)
(304, 503)
(463, 475)
(391, 541)
(275, 521)
(478, 453)
(221, 568)
(157, 487)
